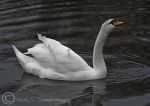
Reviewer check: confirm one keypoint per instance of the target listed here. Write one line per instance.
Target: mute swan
(55, 61)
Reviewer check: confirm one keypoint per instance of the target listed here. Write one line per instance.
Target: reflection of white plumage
(53, 60)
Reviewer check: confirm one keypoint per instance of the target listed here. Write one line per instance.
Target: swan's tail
(23, 59)
(15, 49)
(18, 53)
(29, 64)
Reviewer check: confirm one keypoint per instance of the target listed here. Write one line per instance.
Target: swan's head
(110, 24)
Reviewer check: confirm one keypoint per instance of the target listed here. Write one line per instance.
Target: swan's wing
(60, 57)
(30, 64)
(34, 67)
(42, 54)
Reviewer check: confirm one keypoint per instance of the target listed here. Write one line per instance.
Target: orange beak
(118, 23)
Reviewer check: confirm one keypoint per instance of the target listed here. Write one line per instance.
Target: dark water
(75, 23)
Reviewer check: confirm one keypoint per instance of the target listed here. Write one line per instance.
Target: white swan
(53, 60)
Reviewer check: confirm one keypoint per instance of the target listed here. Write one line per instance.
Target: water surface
(76, 23)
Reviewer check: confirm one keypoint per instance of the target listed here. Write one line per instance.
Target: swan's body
(53, 60)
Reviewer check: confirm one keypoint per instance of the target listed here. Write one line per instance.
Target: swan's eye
(112, 22)
(116, 23)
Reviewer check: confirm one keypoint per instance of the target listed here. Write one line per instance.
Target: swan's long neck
(98, 60)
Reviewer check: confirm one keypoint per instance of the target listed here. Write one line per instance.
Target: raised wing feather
(57, 56)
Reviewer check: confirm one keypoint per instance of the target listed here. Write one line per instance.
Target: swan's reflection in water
(85, 93)
(71, 92)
